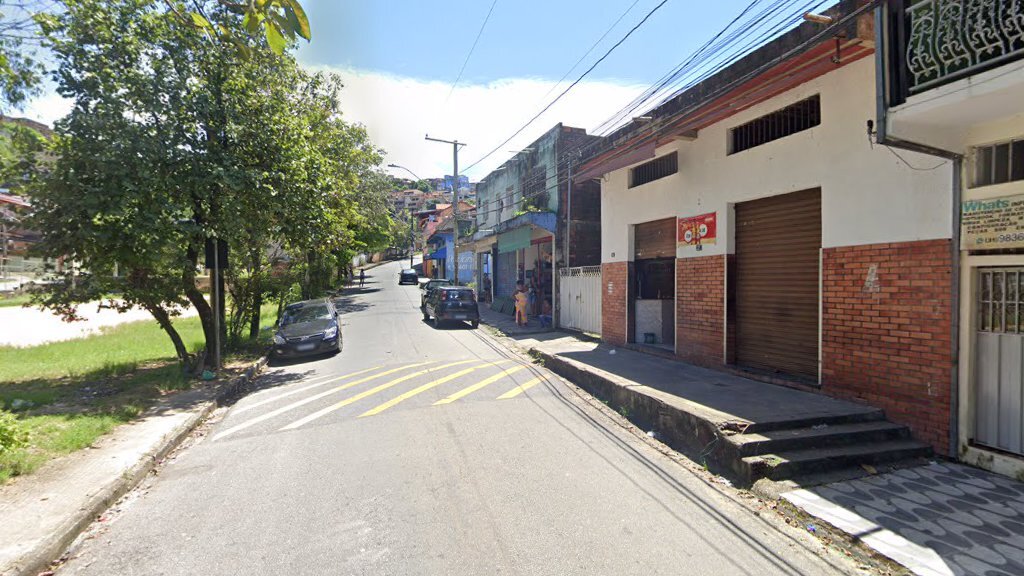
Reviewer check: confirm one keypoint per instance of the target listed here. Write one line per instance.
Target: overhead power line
(570, 87)
(471, 49)
(591, 49)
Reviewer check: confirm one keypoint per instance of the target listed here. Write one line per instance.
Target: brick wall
(700, 314)
(886, 332)
(613, 303)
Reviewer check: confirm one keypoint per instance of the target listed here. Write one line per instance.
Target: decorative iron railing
(939, 41)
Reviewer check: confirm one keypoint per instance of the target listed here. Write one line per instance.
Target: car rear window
(306, 314)
(459, 295)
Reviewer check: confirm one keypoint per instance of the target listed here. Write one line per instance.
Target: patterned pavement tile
(941, 519)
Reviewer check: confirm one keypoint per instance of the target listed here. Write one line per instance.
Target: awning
(439, 255)
(514, 240)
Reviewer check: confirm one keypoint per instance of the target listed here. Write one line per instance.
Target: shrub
(12, 434)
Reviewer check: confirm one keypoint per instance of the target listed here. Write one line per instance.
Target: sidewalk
(507, 323)
(933, 518)
(42, 514)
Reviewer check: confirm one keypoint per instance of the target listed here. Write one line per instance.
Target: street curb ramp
(39, 558)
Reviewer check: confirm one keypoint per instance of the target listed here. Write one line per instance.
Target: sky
(400, 58)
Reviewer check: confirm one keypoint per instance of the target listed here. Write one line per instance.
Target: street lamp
(412, 218)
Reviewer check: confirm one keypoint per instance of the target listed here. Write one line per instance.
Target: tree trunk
(164, 319)
(195, 296)
(257, 294)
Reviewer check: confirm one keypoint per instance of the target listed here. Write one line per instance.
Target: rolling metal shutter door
(505, 275)
(778, 241)
(655, 239)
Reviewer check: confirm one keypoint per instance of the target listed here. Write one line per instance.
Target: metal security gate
(778, 245)
(579, 298)
(999, 359)
(505, 275)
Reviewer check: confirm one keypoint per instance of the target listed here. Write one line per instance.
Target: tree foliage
(277, 24)
(174, 140)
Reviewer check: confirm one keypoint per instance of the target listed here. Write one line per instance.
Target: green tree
(174, 140)
(279, 22)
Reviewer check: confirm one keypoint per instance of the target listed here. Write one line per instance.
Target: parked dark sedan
(457, 303)
(408, 276)
(428, 286)
(309, 327)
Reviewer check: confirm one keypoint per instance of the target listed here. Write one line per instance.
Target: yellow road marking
(326, 380)
(312, 398)
(366, 393)
(470, 389)
(425, 387)
(520, 389)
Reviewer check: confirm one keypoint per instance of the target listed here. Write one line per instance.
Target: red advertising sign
(696, 230)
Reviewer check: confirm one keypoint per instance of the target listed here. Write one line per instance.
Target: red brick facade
(700, 309)
(886, 332)
(614, 286)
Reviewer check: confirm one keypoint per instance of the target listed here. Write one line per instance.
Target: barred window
(653, 170)
(998, 163)
(794, 118)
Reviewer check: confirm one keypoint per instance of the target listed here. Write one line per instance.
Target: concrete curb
(685, 432)
(677, 439)
(53, 546)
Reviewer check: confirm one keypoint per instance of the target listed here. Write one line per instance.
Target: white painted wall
(868, 194)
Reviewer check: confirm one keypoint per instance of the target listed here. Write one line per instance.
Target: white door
(999, 360)
(579, 297)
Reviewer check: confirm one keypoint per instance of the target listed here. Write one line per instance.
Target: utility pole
(412, 217)
(412, 236)
(455, 199)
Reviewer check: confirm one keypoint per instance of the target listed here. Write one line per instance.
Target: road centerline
(327, 380)
(312, 398)
(473, 388)
(366, 393)
(423, 388)
(520, 389)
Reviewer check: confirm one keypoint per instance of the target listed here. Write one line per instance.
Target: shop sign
(697, 230)
(992, 224)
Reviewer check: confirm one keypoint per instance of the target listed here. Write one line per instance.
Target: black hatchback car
(456, 303)
(309, 327)
(408, 276)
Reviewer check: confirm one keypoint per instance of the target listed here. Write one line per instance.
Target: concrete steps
(825, 445)
(792, 463)
(742, 429)
(821, 435)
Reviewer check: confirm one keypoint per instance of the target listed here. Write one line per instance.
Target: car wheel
(437, 322)
(475, 324)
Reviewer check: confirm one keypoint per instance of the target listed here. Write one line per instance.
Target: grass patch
(68, 394)
(115, 350)
(10, 301)
(55, 435)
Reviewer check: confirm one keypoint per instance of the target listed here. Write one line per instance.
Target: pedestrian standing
(522, 301)
(362, 276)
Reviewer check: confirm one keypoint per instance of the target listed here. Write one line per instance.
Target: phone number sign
(697, 230)
(992, 224)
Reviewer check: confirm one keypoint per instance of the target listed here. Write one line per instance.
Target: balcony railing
(939, 41)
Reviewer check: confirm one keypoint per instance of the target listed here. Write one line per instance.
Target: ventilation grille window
(666, 165)
(779, 124)
(999, 163)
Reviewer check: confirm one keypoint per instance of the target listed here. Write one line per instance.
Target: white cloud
(399, 111)
(47, 108)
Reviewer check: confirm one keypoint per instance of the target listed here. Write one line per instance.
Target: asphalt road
(424, 451)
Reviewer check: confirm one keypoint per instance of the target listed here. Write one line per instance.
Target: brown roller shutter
(778, 240)
(655, 239)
